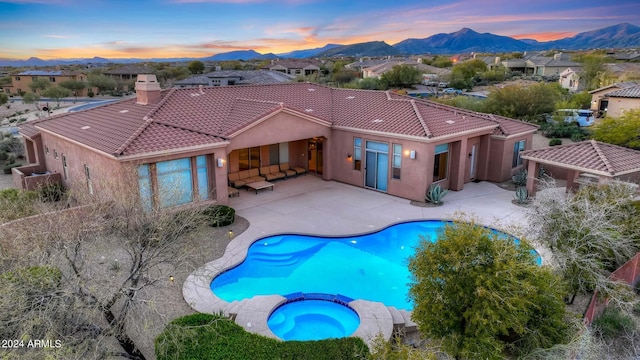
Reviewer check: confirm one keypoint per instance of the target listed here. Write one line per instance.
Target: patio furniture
(272, 172)
(259, 185)
(300, 170)
(287, 171)
(241, 178)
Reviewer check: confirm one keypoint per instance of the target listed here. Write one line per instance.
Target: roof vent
(377, 121)
(308, 110)
(85, 127)
(451, 122)
(195, 94)
(350, 97)
(311, 89)
(123, 111)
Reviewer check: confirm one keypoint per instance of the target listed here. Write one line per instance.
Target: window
(55, 154)
(17, 78)
(249, 158)
(87, 175)
(65, 169)
(357, 153)
(144, 184)
(397, 161)
(203, 179)
(517, 148)
(440, 164)
(52, 79)
(46, 149)
(175, 185)
(274, 154)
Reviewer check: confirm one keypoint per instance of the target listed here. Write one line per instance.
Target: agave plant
(435, 194)
(522, 195)
(520, 178)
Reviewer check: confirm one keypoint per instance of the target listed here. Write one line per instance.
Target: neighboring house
(125, 76)
(535, 64)
(622, 100)
(570, 79)
(236, 77)
(365, 63)
(599, 99)
(188, 141)
(20, 82)
(295, 67)
(621, 72)
(377, 71)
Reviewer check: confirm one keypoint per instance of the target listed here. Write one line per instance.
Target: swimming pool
(370, 267)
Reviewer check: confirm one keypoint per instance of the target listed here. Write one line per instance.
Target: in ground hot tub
(309, 317)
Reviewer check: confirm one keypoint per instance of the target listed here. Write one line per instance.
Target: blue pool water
(313, 320)
(369, 267)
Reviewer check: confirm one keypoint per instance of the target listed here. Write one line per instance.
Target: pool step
(398, 320)
(408, 324)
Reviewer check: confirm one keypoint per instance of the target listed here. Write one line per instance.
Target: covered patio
(586, 162)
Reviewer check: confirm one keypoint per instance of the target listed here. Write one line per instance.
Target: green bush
(51, 192)
(555, 142)
(210, 337)
(612, 323)
(220, 215)
(564, 130)
(3, 156)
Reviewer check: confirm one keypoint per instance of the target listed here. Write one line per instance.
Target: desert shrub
(51, 192)
(564, 130)
(612, 323)
(15, 204)
(3, 156)
(555, 142)
(220, 215)
(209, 337)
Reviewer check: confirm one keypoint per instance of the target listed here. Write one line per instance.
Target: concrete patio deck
(310, 205)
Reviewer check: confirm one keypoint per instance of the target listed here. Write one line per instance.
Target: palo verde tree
(524, 102)
(31, 98)
(74, 86)
(196, 67)
(109, 254)
(623, 130)
(102, 82)
(464, 72)
(590, 233)
(401, 76)
(483, 295)
(39, 85)
(4, 98)
(56, 93)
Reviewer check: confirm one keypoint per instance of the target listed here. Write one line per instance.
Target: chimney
(557, 56)
(147, 89)
(497, 60)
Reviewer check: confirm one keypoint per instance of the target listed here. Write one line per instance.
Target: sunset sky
(198, 28)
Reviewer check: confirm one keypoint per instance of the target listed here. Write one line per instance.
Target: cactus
(435, 194)
(520, 178)
(522, 195)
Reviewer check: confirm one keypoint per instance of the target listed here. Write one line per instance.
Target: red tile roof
(199, 116)
(589, 156)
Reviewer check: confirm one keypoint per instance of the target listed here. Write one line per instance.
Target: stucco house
(622, 100)
(20, 82)
(236, 77)
(295, 67)
(600, 99)
(195, 137)
(570, 79)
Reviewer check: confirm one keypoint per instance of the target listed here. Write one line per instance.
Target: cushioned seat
(300, 170)
(272, 172)
(287, 171)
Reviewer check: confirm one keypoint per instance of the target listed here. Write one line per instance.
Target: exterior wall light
(349, 156)
(412, 154)
(220, 162)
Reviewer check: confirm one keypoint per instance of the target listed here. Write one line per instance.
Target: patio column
(458, 153)
(572, 175)
(532, 170)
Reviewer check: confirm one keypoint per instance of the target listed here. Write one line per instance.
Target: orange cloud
(548, 36)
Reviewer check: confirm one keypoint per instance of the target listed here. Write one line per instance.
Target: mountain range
(622, 35)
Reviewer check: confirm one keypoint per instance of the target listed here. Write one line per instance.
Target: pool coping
(252, 314)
